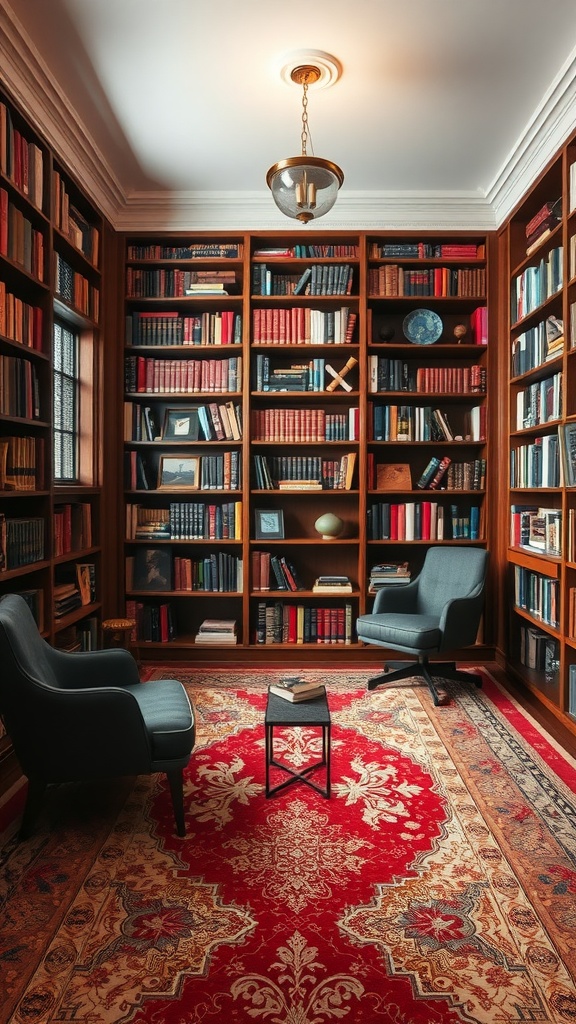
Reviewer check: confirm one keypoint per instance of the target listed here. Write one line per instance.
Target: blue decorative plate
(422, 326)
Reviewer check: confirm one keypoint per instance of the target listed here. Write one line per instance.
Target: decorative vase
(329, 526)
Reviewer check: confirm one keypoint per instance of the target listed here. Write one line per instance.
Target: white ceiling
(438, 99)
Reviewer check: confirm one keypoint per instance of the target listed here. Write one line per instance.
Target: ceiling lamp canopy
(304, 187)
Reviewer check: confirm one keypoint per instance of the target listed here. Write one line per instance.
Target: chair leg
(34, 798)
(176, 781)
(412, 668)
(426, 670)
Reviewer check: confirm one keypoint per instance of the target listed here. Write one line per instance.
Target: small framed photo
(153, 569)
(179, 472)
(180, 425)
(269, 524)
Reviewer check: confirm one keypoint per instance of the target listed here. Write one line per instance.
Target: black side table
(280, 712)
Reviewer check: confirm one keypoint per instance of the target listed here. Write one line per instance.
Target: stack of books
(217, 631)
(542, 225)
(296, 689)
(388, 573)
(332, 585)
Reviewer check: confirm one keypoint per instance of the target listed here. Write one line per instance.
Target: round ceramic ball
(329, 526)
(386, 332)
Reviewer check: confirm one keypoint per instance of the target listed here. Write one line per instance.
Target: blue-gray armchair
(74, 717)
(439, 610)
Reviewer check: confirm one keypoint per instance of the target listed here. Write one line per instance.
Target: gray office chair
(438, 611)
(74, 717)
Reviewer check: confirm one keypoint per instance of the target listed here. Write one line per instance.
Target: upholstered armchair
(74, 717)
(438, 611)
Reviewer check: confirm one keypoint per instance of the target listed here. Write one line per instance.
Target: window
(66, 401)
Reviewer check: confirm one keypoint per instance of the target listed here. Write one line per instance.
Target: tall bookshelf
(541, 252)
(46, 530)
(314, 333)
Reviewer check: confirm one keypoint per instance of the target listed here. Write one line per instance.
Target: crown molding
(32, 85)
(255, 211)
(549, 127)
(30, 81)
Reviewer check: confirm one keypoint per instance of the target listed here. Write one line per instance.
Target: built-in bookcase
(50, 271)
(541, 252)
(272, 379)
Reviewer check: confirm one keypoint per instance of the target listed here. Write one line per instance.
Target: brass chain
(304, 135)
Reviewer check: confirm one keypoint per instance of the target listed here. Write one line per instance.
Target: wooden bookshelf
(312, 333)
(539, 247)
(48, 530)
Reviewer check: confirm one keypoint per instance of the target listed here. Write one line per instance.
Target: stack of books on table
(296, 689)
(388, 573)
(332, 585)
(217, 631)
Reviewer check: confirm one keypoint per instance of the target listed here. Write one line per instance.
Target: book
(297, 698)
(296, 684)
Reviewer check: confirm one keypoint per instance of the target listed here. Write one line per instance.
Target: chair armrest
(399, 597)
(460, 619)
(86, 669)
(85, 733)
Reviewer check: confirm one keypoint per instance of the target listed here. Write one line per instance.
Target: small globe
(329, 526)
(460, 332)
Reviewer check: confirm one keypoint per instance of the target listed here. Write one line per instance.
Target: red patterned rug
(437, 884)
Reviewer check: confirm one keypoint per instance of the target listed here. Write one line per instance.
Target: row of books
(170, 328)
(386, 374)
(392, 280)
(536, 528)
(537, 345)
(537, 594)
(221, 472)
(422, 520)
(539, 403)
(274, 572)
(81, 636)
(22, 541)
(217, 632)
(21, 160)
(536, 464)
(182, 376)
(83, 235)
(294, 425)
(21, 463)
(424, 423)
(185, 520)
(427, 250)
(157, 569)
(20, 241)
(309, 375)
(280, 622)
(323, 250)
(75, 289)
(72, 527)
(19, 388)
(20, 321)
(536, 284)
(305, 472)
(458, 476)
(318, 279)
(155, 622)
(162, 283)
(301, 325)
(192, 251)
(538, 650)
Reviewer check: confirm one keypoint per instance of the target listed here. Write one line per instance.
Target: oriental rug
(437, 884)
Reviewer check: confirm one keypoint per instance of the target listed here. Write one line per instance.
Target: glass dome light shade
(304, 187)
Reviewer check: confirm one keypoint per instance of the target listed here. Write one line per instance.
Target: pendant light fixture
(305, 187)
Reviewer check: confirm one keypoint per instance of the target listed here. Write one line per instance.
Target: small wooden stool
(116, 633)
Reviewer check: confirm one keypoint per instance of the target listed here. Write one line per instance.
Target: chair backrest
(23, 655)
(449, 572)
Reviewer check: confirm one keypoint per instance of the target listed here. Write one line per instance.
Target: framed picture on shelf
(153, 569)
(269, 524)
(179, 472)
(180, 425)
